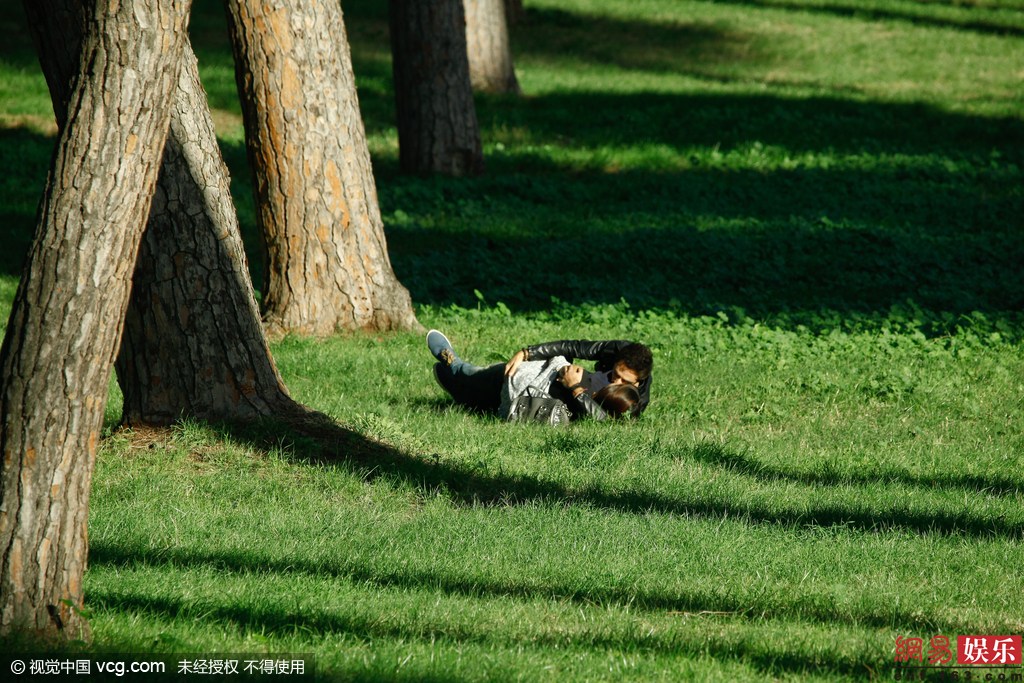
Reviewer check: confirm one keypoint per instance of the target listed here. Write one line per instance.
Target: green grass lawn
(810, 209)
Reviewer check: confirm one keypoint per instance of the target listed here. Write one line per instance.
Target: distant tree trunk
(514, 12)
(57, 28)
(66, 323)
(193, 343)
(327, 261)
(488, 47)
(437, 125)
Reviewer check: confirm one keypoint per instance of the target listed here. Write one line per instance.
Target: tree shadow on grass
(318, 438)
(999, 485)
(810, 246)
(922, 220)
(894, 203)
(804, 608)
(279, 620)
(784, 247)
(273, 620)
(631, 44)
(927, 210)
(722, 122)
(992, 23)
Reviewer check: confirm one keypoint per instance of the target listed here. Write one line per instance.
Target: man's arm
(584, 349)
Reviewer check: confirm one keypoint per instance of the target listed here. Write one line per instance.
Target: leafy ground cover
(809, 208)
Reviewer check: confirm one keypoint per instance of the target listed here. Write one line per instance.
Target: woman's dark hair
(637, 357)
(618, 399)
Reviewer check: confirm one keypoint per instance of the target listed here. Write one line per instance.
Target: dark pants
(472, 386)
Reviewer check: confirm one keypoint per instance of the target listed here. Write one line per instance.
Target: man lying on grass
(619, 386)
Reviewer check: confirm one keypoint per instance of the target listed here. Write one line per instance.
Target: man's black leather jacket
(603, 352)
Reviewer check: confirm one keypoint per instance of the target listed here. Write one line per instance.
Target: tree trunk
(193, 343)
(327, 261)
(488, 47)
(66, 323)
(437, 125)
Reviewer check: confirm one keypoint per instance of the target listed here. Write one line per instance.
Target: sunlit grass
(875, 51)
(810, 209)
(786, 507)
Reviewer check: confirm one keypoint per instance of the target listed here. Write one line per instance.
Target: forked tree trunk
(437, 125)
(66, 323)
(193, 343)
(488, 47)
(327, 262)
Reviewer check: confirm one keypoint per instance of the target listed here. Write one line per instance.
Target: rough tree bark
(193, 343)
(437, 125)
(488, 47)
(327, 261)
(66, 323)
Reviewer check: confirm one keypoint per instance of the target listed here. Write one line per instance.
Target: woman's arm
(571, 378)
(591, 408)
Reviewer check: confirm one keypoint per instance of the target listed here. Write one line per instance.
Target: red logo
(912, 649)
(938, 651)
(908, 649)
(990, 650)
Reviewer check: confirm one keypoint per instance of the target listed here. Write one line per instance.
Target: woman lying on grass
(619, 386)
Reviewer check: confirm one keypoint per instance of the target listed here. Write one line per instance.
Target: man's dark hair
(637, 358)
